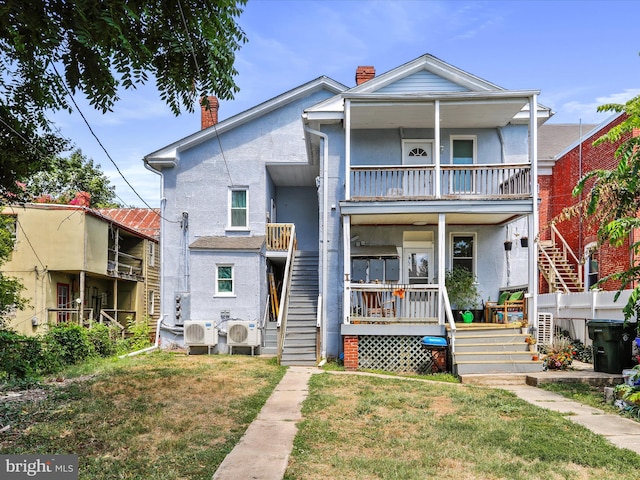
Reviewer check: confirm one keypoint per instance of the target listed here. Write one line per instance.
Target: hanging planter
(507, 245)
(524, 242)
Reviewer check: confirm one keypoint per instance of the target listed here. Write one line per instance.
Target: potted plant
(463, 293)
(524, 241)
(507, 245)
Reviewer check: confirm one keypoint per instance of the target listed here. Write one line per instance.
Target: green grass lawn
(368, 427)
(174, 416)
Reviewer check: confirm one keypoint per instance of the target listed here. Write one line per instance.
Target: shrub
(139, 333)
(68, 341)
(103, 340)
(20, 356)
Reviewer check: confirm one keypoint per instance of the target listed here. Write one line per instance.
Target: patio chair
(507, 306)
(375, 306)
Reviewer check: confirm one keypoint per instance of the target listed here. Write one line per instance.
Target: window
(238, 210)
(463, 251)
(151, 303)
(224, 280)
(152, 254)
(592, 273)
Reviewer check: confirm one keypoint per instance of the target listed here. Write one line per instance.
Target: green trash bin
(612, 343)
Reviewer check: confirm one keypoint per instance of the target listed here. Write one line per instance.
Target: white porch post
(347, 149)
(441, 265)
(346, 291)
(436, 147)
(534, 220)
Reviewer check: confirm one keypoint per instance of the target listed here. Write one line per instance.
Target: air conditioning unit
(241, 333)
(200, 333)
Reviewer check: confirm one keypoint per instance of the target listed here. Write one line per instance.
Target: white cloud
(588, 111)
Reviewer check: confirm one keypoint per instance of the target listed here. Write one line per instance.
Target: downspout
(325, 234)
(163, 202)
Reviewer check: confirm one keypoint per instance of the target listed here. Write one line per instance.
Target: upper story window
(238, 208)
(417, 152)
(152, 254)
(463, 152)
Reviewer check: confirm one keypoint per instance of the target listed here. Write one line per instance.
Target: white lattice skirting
(395, 354)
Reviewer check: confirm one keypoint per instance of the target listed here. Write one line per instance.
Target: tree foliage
(67, 176)
(51, 49)
(10, 287)
(612, 197)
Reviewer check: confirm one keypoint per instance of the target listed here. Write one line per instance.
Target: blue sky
(579, 54)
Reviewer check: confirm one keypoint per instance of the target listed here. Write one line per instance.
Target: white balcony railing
(393, 303)
(405, 182)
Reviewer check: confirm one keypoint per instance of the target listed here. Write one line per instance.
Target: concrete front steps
(486, 348)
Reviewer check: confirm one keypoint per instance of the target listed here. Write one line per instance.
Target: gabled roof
(143, 220)
(166, 157)
(428, 78)
(554, 138)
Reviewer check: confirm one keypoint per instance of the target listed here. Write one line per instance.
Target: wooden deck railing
(392, 303)
(279, 236)
(404, 182)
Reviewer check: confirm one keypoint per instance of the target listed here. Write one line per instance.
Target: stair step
(480, 357)
(524, 366)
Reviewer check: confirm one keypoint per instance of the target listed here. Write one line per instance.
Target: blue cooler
(437, 354)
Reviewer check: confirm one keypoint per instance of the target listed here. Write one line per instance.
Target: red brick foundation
(350, 352)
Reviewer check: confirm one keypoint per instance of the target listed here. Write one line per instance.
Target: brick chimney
(209, 117)
(364, 74)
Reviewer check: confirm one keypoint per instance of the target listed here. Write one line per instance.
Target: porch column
(81, 306)
(347, 149)
(346, 291)
(436, 147)
(534, 220)
(441, 265)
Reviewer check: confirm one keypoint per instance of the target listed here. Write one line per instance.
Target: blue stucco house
(322, 223)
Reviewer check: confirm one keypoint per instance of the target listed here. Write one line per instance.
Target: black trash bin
(612, 343)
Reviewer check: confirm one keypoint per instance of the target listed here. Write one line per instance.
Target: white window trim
(420, 141)
(152, 253)
(151, 308)
(232, 293)
(475, 249)
(229, 196)
(465, 137)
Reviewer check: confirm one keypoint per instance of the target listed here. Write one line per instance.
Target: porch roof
(461, 212)
(229, 243)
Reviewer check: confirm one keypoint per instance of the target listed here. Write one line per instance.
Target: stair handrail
(552, 265)
(284, 294)
(448, 313)
(566, 249)
(265, 317)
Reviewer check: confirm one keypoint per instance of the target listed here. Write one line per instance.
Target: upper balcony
(425, 182)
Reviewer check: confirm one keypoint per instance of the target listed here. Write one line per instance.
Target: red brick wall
(350, 352)
(556, 194)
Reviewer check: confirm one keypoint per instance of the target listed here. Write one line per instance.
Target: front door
(63, 301)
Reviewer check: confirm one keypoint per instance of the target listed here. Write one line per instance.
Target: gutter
(325, 235)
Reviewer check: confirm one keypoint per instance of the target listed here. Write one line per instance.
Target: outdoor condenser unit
(200, 333)
(241, 333)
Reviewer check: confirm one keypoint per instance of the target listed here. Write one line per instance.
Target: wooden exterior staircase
(558, 264)
(493, 349)
(301, 334)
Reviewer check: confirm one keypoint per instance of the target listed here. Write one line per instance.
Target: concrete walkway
(622, 432)
(263, 452)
